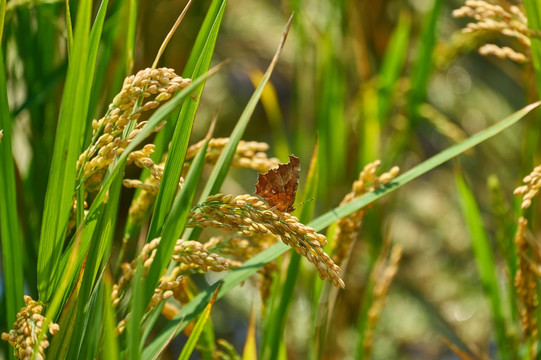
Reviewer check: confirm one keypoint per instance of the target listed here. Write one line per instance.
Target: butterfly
(278, 187)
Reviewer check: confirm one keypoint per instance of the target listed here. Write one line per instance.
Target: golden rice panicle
(142, 92)
(531, 187)
(142, 159)
(526, 283)
(382, 277)
(348, 227)
(249, 154)
(249, 215)
(492, 18)
(27, 331)
(191, 257)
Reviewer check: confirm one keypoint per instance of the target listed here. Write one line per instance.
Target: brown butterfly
(279, 186)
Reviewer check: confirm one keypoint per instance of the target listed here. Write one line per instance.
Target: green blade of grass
(273, 337)
(137, 306)
(370, 147)
(60, 344)
(213, 14)
(392, 66)
(181, 136)
(163, 138)
(532, 131)
(69, 28)
(533, 13)
(484, 258)
(172, 230)
(271, 105)
(2, 17)
(249, 351)
(451, 152)
(109, 74)
(329, 112)
(250, 267)
(109, 349)
(505, 239)
(198, 329)
(130, 38)
(102, 241)
(85, 346)
(175, 222)
(12, 255)
(423, 64)
(95, 36)
(70, 131)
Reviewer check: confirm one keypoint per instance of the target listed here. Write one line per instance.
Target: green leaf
(333, 215)
(2, 17)
(533, 13)
(175, 223)
(109, 349)
(130, 38)
(12, 253)
(486, 266)
(69, 134)
(392, 66)
(273, 336)
(250, 345)
(423, 64)
(137, 306)
(198, 329)
(181, 137)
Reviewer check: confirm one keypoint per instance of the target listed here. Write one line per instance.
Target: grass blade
(275, 330)
(130, 38)
(533, 12)
(138, 305)
(213, 14)
(531, 142)
(12, 255)
(250, 346)
(198, 329)
(451, 152)
(110, 349)
(175, 222)
(271, 105)
(393, 64)
(70, 131)
(2, 17)
(484, 257)
(423, 64)
(181, 136)
(172, 231)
